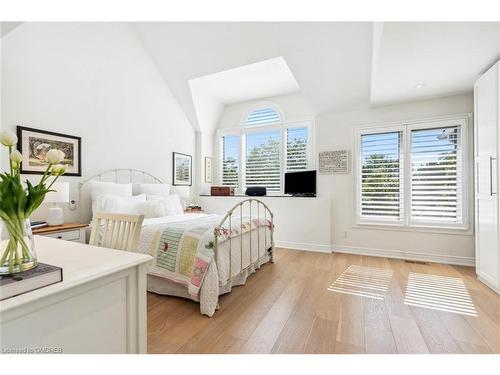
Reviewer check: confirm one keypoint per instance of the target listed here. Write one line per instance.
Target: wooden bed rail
(260, 208)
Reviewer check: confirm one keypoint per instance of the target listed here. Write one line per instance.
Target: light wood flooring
(286, 307)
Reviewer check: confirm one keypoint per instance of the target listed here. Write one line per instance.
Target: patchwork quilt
(183, 251)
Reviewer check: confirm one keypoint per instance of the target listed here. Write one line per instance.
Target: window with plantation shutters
(230, 160)
(296, 149)
(263, 149)
(263, 160)
(381, 176)
(414, 174)
(436, 174)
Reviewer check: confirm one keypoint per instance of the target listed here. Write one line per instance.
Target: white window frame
(243, 131)
(405, 127)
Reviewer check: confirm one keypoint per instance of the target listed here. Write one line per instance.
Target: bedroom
(368, 138)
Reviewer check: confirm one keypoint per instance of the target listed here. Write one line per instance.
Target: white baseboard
(398, 254)
(488, 281)
(303, 246)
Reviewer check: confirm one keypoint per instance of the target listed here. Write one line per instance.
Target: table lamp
(60, 195)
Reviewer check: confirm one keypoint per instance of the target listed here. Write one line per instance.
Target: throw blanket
(184, 250)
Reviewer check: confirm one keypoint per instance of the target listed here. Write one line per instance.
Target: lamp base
(55, 216)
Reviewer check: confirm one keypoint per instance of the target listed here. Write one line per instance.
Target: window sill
(257, 197)
(456, 231)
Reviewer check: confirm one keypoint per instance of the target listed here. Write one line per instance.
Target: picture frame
(35, 143)
(182, 169)
(208, 169)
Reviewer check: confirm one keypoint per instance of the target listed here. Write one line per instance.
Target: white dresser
(487, 147)
(99, 307)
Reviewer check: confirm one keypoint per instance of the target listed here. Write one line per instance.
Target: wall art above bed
(35, 143)
(182, 171)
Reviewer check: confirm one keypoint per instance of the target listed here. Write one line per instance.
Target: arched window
(264, 149)
(263, 116)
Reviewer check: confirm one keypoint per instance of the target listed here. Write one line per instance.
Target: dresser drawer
(68, 235)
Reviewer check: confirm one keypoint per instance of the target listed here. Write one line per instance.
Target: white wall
(96, 81)
(334, 131)
(295, 108)
(301, 223)
(208, 111)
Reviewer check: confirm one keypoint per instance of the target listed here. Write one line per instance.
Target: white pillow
(151, 189)
(152, 208)
(172, 203)
(175, 204)
(109, 188)
(117, 204)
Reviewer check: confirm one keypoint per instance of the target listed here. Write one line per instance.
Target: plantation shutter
(263, 116)
(436, 175)
(381, 180)
(263, 162)
(296, 149)
(230, 160)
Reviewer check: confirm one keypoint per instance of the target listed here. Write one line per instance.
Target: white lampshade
(60, 195)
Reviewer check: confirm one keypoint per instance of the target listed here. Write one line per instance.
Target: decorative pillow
(109, 188)
(151, 189)
(152, 208)
(117, 204)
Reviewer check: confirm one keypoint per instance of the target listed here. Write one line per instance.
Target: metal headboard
(119, 175)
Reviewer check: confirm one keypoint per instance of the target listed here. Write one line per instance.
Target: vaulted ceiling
(339, 66)
(336, 66)
(331, 62)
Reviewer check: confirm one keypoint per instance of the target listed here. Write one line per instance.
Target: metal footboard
(255, 209)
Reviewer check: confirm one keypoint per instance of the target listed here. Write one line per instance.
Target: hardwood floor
(291, 306)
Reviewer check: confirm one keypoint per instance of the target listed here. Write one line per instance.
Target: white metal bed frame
(228, 218)
(244, 205)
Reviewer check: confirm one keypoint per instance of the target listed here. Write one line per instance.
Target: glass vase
(17, 248)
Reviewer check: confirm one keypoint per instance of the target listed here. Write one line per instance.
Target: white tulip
(7, 138)
(58, 170)
(54, 156)
(16, 156)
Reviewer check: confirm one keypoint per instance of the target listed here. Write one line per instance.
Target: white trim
(406, 255)
(414, 228)
(485, 279)
(308, 122)
(405, 127)
(304, 246)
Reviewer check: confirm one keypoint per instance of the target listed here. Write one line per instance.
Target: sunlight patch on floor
(441, 293)
(363, 281)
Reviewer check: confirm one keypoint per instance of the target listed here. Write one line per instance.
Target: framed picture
(35, 143)
(208, 169)
(182, 170)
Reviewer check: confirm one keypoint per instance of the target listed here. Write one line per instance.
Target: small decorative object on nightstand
(60, 194)
(67, 232)
(192, 208)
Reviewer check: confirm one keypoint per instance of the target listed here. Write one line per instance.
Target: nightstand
(67, 232)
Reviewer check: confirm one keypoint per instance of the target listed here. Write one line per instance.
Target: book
(22, 282)
(38, 224)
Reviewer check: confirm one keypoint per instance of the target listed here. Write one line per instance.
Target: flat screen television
(302, 184)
